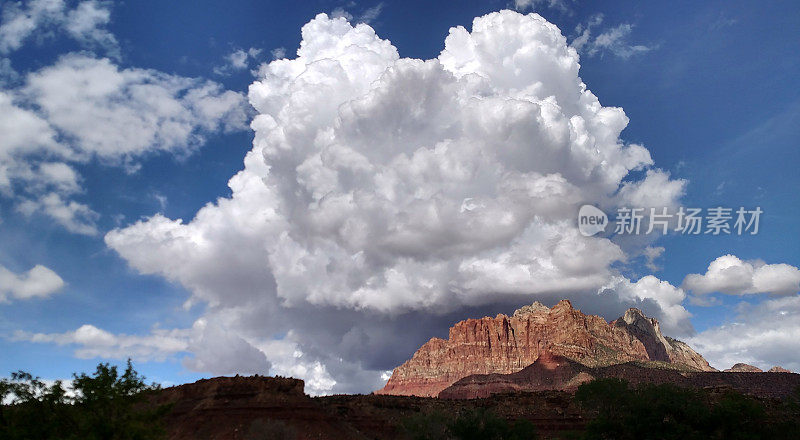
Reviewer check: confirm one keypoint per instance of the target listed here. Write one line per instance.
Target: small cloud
(367, 16)
(704, 301)
(723, 21)
(340, 12)
(371, 13)
(651, 254)
(162, 201)
(7, 72)
(85, 23)
(278, 53)
(39, 282)
(238, 60)
(613, 40)
(559, 5)
(720, 188)
(75, 217)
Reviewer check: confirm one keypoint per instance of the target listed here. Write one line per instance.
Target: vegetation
(474, 424)
(669, 412)
(103, 406)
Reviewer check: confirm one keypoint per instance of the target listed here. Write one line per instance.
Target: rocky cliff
(504, 345)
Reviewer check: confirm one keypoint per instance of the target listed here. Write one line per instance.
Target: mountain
(504, 345)
(554, 372)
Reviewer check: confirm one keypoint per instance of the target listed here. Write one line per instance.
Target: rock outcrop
(503, 345)
(777, 369)
(248, 407)
(553, 372)
(743, 368)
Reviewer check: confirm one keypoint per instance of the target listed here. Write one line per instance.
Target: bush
(477, 424)
(669, 412)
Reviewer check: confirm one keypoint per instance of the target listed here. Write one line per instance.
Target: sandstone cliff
(506, 345)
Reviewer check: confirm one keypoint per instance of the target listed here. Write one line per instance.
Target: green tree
(104, 406)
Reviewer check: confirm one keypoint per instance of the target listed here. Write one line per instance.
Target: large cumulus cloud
(386, 197)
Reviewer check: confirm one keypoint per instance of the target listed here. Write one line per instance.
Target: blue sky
(710, 90)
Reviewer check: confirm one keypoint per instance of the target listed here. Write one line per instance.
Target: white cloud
(237, 60)
(524, 5)
(367, 16)
(85, 23)
(24, 133)
(75, 217)
(278, 53)
(82, 108)
(94, 342)
(23, 130)
(651, 254)
(7, 72)
(38, 282)
(613, 40)
(764, 335)
(340, 12)
(371, 14)
(347, 219)
(115, 113)
(728, 274)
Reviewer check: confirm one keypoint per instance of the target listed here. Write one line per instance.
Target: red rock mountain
(506, 345)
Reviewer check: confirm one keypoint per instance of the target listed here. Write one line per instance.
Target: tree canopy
(105, 405)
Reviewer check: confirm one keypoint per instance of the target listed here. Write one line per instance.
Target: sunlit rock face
(506, 344)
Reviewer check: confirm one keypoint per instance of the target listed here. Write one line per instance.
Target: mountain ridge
(507, 344)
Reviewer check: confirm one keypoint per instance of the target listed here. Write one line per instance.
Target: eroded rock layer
(553, 372)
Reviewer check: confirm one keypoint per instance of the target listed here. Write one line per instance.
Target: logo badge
(591, 220)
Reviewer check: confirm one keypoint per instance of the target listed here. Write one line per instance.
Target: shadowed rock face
(743, 368)
(553, 372)
(506, 345)
(248, 407)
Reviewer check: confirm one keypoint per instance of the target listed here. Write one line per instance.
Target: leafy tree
(103, 406)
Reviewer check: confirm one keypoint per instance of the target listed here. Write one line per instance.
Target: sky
(315, 189)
